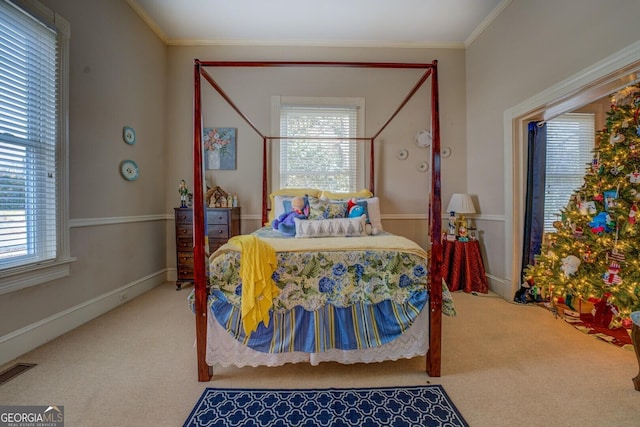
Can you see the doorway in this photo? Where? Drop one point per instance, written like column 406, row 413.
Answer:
column 598, row 81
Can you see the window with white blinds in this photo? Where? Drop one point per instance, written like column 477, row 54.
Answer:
column 316, row 151
column 570, row 144
column 29, row 137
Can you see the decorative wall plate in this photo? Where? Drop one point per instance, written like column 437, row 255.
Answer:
column 129, row 135
column 402, row 154
column 446, row 152
column 423, row 138
column 129, row 170
column 422, row 166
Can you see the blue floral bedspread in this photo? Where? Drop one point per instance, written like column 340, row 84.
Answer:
column 358, row 298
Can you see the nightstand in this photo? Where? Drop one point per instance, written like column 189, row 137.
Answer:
column 222, row 224
column 462, row 267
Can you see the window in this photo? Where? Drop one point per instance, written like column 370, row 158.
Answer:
column 311, row 154
column 570, row 144
column 33, row 233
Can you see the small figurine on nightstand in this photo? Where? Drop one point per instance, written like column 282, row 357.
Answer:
column 184, row 193
column 462, row 233
column 451, row 233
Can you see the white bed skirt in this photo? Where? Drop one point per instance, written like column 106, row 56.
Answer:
column 225, row 351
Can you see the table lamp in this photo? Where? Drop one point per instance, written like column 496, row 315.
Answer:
column 461, row 204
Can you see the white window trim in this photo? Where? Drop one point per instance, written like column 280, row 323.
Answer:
column 274, row 146
column 13, row 279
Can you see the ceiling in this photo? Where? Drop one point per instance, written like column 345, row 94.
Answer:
column 401, row 23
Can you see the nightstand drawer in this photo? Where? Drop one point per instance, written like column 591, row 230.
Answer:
column 184, row 216
column 218, row 217
column 184, row 244
column 218, row 231
column 185, row 259
column 184, row 231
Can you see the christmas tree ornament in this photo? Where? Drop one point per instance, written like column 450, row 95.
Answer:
column 615, row 170
column 633, row 212
column 616, row 138
column 634, row 177
column 612, row 276
column 570, row 265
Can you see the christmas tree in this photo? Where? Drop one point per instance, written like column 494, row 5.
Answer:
column 594, row 255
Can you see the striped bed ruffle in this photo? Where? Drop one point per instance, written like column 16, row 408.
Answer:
column 359, row 326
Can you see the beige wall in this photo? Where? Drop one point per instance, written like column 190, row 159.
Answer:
column 118, row 230
column 530, row 47
column 402, row 189
column 122, row 74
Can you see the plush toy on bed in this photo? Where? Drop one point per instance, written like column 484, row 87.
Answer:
column 285, row 223
column 356, row 209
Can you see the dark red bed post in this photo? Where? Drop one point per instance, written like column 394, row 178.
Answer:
column 264, row 181
column 199, row 275
column 435, row 292
column 371, row 168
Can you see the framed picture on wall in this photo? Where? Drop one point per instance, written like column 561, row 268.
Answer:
column 219, row 148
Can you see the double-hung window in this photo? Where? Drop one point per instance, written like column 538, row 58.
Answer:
column 570, row 144
column 317, row 146
column 33, row 213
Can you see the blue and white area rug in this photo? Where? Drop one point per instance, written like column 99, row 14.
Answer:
column 389, row 406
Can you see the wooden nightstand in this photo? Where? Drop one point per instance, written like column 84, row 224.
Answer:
column 222, row 224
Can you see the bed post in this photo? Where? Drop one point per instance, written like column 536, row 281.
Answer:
column 199, row 276
column 435, row 291
column 371, row 168
column 264, row 181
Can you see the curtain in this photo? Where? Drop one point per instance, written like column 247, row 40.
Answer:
column 534, row 207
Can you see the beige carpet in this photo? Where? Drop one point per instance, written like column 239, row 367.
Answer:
column 502, row 365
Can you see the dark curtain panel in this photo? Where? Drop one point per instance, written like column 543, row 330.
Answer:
column 534, row 207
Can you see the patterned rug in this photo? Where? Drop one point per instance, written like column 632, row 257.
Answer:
column 389, row 406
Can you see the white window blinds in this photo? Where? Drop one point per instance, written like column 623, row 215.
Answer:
column 570, row 144
column 312, row 155
column 28, row 138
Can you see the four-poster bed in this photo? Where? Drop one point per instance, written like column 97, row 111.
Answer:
column 403, row 289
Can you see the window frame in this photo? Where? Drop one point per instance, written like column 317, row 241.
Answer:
column 32, row 274
column 277, row 101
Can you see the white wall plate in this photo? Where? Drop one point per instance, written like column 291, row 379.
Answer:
column 402, row 154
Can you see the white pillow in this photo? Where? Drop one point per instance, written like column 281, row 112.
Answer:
column 336, row 227
column 373, row 208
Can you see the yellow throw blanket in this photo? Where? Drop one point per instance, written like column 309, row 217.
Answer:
column 257, row 264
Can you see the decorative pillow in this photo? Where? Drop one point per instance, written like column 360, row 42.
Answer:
column 278, row 197
column 337, row 227
column 323, row 208
column 362, row 194
column 373, row 211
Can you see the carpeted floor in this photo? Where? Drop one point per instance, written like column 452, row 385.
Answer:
column 503, row 364
column 372, row 407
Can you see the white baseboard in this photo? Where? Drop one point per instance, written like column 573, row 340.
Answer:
column 502, row 287
column 23, row 340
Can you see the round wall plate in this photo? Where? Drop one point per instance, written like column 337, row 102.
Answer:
column 422, row 166
column 402, row 154
column 129, row 170
column 129, row 135
column 446, row 152
column 423, row 138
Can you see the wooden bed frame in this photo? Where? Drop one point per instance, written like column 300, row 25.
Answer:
column 433, row 357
